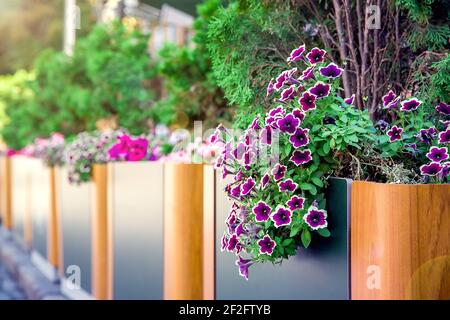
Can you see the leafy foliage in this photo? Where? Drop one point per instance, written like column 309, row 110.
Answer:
column 192, row 92
column 109, row 76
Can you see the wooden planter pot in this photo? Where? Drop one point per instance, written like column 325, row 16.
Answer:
column 183, row 231
column 319, row 272
column 75, row 265
column 135, row 221
column 400, row 241
column 5, row 192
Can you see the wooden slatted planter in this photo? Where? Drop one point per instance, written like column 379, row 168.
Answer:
column 400, row 241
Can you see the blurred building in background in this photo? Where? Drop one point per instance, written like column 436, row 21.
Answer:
column 166, row 24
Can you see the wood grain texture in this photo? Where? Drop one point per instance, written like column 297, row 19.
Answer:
column 400, row 241
column 53, row 222
column 209, row 232
column 5, row 191
column 183, row 231
column 100, row 240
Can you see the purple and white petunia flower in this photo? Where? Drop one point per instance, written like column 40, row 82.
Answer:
column 426, row 135
column 232, row 243
column 224, row 242
column 307, row 74
column 247, row 186
column 287, row 186
column 240, row 229
column 296, row 54
column 278, row 172
column 437, row 154
column 269, row 89
column 284, row 78
column 239, row 151
column 445, row 169
column 320, row 90
column 265, row 181
column 390, row 100
column 446, row 123
column 261, row 211
column 244, row 265
column 288, row 124
column 350, row 100
column 255, row 124
column 277, row 111
column 331, row 71
column 288, row 93
column 444, row 136
column 307, row 101
column 395, row 133
column 232, row 223
column 316, row 218
column 299, row 114
column 443, row 108
column 299, row 138
column 235, row 192
column 410, row 105
column 266, row 245
column 281, row 217
column 382, row 125
column 301, row 157
column 249, row 158
column 296, row 203
column 316, row 55
column 431, row 169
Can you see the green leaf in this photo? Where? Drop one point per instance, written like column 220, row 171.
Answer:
column 294, row 231
column 326, row 147
column 324, row 232
column 287, row 242
column 306, row 238
column 317, row 181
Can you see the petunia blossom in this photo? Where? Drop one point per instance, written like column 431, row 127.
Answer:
column 244, row 265
column 281, row 217
column 288, row 124
column 316, row 218
column 266, row 245
column 296, row 54
column 390, row 100
column 295, row 203
column 437, row 154
column 350, row 100
column 316, row 55
column 299, row 114
column 331, row 71
column 307, row 74
column 299, row 138
column 287, row 186
column 443, row 108
column 248, row 186
column 265, row 181
column 395, row 133
column 278, row 172
column 444, row 136
column 410, row 105
column 265, row 135
column 320, row 90
column 301, row 157
column 288, row 93
column 307, row 101
column 261, row 211
column 431, row 169
column 224, row 242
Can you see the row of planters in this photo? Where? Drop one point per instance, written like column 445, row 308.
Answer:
column 153, row 230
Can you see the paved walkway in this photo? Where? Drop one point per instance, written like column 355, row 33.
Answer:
column 9, row 288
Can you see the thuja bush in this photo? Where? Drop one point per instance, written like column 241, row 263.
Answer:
column 280, row 164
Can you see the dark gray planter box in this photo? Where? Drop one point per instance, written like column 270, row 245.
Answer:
column 135, row 204
column 75, row 214
column 319, row 272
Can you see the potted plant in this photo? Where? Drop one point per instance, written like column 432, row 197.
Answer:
column 280, row 168
column 410, row 203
